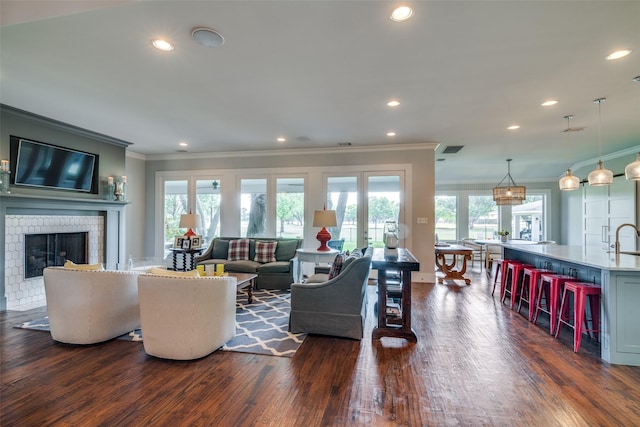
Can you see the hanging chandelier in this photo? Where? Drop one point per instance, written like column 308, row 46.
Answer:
column 509, row 193
column 632, row 171
column 569, row 182
column 600, row 176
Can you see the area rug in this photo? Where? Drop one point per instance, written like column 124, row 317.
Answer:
column 261, row 327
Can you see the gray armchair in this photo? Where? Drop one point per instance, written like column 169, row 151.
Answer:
column 336, row 307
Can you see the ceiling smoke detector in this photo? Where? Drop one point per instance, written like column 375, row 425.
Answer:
column 344, row 144
column 207, row 37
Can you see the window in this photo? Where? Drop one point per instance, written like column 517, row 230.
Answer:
column 290, row 207
column 483, row 217
column 527, row 219
column 208, row 208
column 175, row 204
column 446, row 218
column 253, row 207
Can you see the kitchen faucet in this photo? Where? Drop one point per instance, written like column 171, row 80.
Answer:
column 617, row 245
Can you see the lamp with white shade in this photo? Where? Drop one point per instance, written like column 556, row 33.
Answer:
column 189, row 221
column 324, row 218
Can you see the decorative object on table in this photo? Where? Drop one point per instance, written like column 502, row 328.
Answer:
column 196, row 242
column 219, row 270
column 632, row 171
column 390, row 237
column 4, row 178
column 509, row 193
column 503, row 235
column 324, row 218
column 569, row 182
column 177, row 242
column 189, row 221
column 215, row 184
column 600, row 176
column 186, row 243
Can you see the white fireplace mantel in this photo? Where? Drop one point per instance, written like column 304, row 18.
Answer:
column 23, row 204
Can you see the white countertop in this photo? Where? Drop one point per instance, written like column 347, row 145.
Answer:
column 592, row 257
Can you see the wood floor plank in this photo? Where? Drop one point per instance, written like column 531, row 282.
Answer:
column 476, row 363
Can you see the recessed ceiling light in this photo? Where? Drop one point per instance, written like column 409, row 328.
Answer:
column 549, row 103
column 619, row 54
column 162, row 45
column 514, row 127
column 281, row 139
column 183, row 144
column 393, row 103
column 207, row 37
column 401, row 13
column 391, row 134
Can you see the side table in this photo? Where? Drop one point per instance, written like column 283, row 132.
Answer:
column 315, row 256
column 188, row 258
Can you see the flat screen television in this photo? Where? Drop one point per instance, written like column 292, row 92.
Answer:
column 38, row 164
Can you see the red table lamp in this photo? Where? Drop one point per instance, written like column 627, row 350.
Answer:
column 324, row 218
column 189, row 221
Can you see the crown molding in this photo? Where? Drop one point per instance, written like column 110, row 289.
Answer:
column 293, row 152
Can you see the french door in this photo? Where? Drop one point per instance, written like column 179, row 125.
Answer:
column 364, row 202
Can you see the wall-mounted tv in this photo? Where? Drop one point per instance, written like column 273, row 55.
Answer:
column 38, row 164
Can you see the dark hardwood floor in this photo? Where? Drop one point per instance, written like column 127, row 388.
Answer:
column 476, row 363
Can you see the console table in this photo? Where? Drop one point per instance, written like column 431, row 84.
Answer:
column 188, row 255
column 389, row 262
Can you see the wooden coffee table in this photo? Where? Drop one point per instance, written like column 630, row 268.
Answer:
column 245, row 280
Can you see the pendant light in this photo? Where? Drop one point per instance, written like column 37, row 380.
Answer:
column 569, row 181
column 600, row 176
column 509, row 193
column 632, row 171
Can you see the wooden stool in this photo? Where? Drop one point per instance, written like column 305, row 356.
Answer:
column 581, row 291
column 530, row 280
column 550, row 286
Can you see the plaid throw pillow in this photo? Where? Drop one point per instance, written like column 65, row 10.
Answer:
column 238, row 250
column 265, row 252
column 336, row 266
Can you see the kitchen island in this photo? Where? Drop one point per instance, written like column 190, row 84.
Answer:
column 619, row 276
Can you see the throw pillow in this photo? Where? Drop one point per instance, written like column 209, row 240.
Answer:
column 171, row 273
column 265, row 252
column 74, row 266
column 220, row 249
column 238, row 250
column 336, row 266
column 286, row 249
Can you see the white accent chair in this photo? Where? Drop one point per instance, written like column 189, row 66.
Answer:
column 89, row 306
column 185, row 318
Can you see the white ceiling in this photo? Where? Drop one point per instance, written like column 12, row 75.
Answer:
column 462, row 70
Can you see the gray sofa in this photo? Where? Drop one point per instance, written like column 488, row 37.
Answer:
column 335, row 307
column 271, row 275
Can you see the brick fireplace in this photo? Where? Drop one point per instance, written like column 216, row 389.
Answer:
column 103, row 221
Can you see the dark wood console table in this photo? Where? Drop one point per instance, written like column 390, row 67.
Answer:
column 398, row 262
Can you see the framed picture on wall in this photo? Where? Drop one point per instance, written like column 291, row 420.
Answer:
column 196, row 242
column 177, row 242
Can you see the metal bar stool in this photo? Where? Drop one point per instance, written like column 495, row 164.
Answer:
column 499, row 269
column 512, row 277
column 550, row 288
column 581, row 291
column 530, row 280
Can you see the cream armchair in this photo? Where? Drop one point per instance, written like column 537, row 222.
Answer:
column 186, row 318
column 88, row 307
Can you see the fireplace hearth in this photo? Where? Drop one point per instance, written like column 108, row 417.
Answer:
column 53, row 249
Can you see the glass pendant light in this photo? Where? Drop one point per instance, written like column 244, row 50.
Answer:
column 569, row 181
column 600, row 176
column 632, row 171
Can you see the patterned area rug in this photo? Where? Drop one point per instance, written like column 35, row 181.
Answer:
column 261, row 327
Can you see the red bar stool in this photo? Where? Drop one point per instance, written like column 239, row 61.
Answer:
column 499, row 269
column 581, row 291
column 550, row 286
column 512, row 276
column 530, row 280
